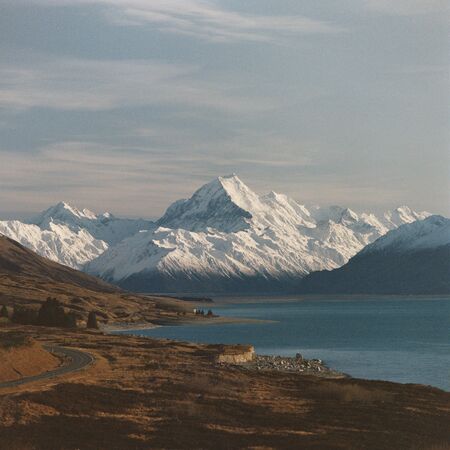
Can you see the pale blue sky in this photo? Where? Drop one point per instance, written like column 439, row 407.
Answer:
column 128, row 105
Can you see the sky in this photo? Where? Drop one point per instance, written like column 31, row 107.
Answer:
column 128, row 105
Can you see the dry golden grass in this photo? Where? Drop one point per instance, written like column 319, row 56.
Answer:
column 21, row 356
column 350, row 393
column 145, row 393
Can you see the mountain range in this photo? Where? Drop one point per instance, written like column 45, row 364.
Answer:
column 225, row 238
column 71, row 236
column 412, row 259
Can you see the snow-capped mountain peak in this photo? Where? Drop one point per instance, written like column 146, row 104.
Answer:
column 70, row 235
column 104, row 227
column 402, row 215
column 65, row 213
column 240, row 193
column 229, row 205
column 334, row 213
column 57, row 241
column 225, row 204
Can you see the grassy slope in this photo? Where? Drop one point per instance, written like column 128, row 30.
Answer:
column 21, row 356
column 144, row 393
column 28, row 279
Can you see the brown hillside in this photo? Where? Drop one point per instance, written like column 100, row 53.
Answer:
column 21, row 356
column 145, row 394
column 27, row 279
column 16, row 260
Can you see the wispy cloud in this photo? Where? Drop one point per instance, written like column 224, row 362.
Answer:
column 99, row 176
column 203, row 19
column 95, row 85
column 104, row 175
column 407, row 7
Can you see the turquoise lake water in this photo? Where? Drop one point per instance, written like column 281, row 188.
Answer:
column 396, row 339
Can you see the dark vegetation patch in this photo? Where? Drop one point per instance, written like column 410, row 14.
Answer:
column 12, row 339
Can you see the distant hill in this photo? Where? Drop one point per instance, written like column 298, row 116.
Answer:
column 16, row 261
column 412, row 259
column 27, row 279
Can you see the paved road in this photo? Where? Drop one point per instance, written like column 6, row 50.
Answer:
column 77, row 360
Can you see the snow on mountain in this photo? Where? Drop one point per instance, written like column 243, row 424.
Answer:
column 430, row 233
column 71, row 236
column 58, row 243
column 402, row 215
column 223, row 204
column 411, row 259
column 104, row 227
column 225, row 232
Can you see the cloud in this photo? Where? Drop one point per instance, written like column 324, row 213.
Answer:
column 88, row 174
column 129, row 180
column 203, row 19
column 95, row 85
column 406, row 7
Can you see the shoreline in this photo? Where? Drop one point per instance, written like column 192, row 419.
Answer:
column 231, row 298
column 267, row 363
column 351, row 370
column 293, row 364
column 280, row 298
column 219, row 320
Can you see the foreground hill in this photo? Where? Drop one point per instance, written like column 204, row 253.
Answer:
column 18, row 261
column 27, row 279
column 21, row 356
column 156, row 394
column 413, row 259
column 227, row 238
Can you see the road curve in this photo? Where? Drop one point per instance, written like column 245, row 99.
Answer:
column 78, row 361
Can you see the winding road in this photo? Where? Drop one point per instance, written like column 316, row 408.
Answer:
column 78, row 360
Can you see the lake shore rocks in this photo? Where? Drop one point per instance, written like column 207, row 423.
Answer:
column 292, row 364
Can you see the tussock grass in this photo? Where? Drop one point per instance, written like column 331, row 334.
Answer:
column 443, row 446
column 350, row 393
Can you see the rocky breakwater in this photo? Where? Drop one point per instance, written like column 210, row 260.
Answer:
column 288, row 364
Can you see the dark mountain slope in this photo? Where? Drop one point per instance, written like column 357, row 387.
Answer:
column 414, row 259
column 18, row 261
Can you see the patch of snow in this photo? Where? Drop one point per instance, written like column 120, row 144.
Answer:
column 429, row 233
column 58, row 243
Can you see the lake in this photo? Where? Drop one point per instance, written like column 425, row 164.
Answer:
column 406, row 340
